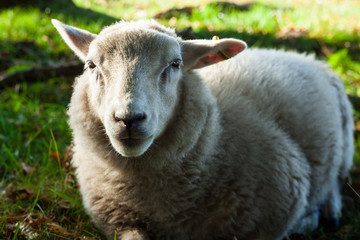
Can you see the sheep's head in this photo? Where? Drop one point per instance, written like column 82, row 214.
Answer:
column 134, row 69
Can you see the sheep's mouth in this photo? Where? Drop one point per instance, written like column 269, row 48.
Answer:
column 131, row 146
column 131, row 142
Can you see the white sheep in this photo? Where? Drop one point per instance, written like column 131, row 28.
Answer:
column 253, row 147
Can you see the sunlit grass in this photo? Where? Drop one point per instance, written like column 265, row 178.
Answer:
column 348, row 69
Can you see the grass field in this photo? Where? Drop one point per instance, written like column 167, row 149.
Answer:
column 39, row 196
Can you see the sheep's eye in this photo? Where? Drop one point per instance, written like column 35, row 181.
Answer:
column 176, row 63
column 91, row 65
column 173, row 65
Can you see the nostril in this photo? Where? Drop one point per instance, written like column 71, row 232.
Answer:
column 117, row 118
column 128, row 121
column 140, row 117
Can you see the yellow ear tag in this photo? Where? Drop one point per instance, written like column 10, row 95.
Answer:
column 221, row 53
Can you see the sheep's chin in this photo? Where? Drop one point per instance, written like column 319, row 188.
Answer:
column 131, row 151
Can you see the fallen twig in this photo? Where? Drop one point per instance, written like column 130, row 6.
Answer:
column 353, row 190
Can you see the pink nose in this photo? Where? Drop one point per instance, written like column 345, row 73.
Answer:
column 131, row 121
column 131, row 126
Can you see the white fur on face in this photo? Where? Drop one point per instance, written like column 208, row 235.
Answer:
column 135, row 76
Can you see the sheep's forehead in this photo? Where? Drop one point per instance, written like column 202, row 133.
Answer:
column 129, row 44
column 141, row 24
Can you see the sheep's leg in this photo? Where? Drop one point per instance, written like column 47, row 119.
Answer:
column 307, row 223
column 331, row 209
column 133, row 234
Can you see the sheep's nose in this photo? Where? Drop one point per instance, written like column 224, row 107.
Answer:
column 131, row 121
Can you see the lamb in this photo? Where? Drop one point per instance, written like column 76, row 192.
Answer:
column 173, row 142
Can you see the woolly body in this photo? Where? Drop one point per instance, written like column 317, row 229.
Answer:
column 251, row 147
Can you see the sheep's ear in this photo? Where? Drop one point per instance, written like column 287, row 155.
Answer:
column 202, row 53
column 77, row 39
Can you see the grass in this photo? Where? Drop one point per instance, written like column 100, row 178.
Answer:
column 39, row 195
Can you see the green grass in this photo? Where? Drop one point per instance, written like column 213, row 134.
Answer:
column 38, row 192
column 33, row 127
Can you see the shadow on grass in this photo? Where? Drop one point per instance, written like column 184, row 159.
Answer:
column 27, row 52
column 66, row 8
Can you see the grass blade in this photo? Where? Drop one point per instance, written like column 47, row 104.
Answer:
column 56, row 148
column 36, row 199
column 16, row 231
column 67, row 198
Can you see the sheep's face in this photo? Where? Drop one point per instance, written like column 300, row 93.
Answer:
column 133, row 69
column 134, row 77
